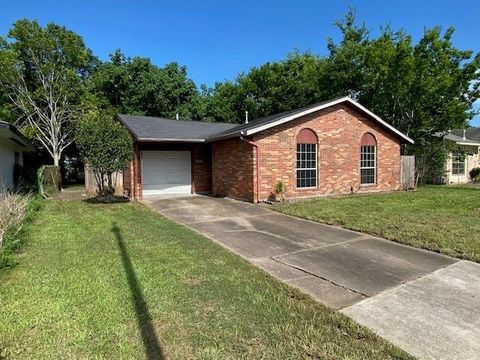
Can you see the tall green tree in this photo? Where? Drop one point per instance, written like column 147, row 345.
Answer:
column 422, row 88
column 44, row 69
column 270, row 88
column 136, row 86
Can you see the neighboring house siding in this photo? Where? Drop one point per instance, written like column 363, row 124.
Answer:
column 471, row 161
column 339, row 130
column 7, row 162
column 233, row 169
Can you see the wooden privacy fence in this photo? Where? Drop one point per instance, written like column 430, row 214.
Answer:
column 91, row 186
column 408, row 172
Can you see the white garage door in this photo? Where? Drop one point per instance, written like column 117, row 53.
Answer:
column 166, row 172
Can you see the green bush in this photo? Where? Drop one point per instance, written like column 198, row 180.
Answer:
column 25, row 178
column 106, row 146
column 475, row 174
column 280, row 189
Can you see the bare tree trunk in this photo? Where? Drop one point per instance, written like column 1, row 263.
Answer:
column 56, row 159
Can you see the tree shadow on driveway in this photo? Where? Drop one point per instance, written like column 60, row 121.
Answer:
column 150, row 341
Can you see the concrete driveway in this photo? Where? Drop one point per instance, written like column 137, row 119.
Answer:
column 409, row 296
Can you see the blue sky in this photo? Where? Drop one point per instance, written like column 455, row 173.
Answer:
column 218, row 39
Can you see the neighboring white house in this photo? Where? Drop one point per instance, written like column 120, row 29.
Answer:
column 12, row 147
column 464, row 157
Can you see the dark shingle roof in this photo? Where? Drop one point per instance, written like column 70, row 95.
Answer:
column 472, row 134
column 267, row 120
column 147, row 128
column 458, row 139
column 9, row 131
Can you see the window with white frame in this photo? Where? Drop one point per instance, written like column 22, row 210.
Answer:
column 458, row 164
column 306, row 165
column 368, row 160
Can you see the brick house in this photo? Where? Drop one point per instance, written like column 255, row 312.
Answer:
column 333, row 147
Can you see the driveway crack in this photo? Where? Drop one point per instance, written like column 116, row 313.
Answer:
column 320, row 277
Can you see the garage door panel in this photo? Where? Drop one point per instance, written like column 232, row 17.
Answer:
column 166, row 172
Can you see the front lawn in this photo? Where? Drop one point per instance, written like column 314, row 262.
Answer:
column 438, row 218
column 121, row 282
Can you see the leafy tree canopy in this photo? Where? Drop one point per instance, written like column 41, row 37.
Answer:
column 136, row 86
column 43, row 75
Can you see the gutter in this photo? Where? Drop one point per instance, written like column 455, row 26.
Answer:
column 257, row 162
column 224, row 136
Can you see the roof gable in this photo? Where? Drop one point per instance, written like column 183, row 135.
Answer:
column 271, row 121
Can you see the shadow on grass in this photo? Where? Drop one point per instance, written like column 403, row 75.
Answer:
column 110, row 200
column 150, row 341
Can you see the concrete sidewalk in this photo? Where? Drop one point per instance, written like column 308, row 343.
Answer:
column 346, row 269
column 434, row 317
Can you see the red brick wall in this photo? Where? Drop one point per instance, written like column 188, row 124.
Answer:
column 127, row 176
column 136, row 175
column 201, row 169
column 233, row 169
column 339, row 130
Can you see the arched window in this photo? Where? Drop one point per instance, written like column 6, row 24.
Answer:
column 306, row 159
column 368, row 160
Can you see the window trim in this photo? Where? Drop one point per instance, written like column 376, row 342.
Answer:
column 374, row 183
column 464, row 163
column 300, row 188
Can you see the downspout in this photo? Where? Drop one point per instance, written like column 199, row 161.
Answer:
column 257, row 162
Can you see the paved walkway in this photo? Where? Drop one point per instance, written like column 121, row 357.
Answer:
column 424, row 302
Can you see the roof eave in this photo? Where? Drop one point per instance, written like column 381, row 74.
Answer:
column 17, row 137
column 225, row 136
column 467, row 143
column 173, row 140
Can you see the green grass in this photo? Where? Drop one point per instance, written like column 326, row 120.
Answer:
column 439, row 218
column 121, row 282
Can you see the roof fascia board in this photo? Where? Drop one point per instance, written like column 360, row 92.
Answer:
column 387, row 125
column 467, row 143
